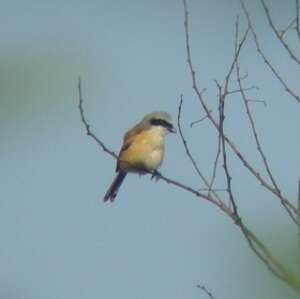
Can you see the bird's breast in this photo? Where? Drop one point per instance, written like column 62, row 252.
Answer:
column 145, row 152
column 154, row 160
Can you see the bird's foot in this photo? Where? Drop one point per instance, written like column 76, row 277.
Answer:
column 155, row 175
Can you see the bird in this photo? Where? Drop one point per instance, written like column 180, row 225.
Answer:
column 143, row 149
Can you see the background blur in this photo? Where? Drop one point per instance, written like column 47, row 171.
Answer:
column 58, row 239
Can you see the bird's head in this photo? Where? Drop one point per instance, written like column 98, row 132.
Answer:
column 160, row 119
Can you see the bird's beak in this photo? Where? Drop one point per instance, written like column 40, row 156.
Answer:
column 172, row 130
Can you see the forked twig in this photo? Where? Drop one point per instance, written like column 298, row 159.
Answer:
column 257, row 246
column 240, row 156
column 280, row 38
column 264, row 57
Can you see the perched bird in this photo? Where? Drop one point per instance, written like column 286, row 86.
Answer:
column 142, row 150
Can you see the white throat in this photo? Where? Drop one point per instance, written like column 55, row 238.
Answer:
column 159, row 131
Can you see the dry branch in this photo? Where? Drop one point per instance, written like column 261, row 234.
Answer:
column 264, row 57
column 292, row 210
column 277, row 33
column 255, row 244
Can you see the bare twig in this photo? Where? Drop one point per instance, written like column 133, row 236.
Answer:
column 206, row 291
column 234, row 148
column 236, row 55
column 193, row 191
column 198, row 121
column 264, row 57
column 245, row 89
column 223, row 146
column 187, row 150
column 290, row 26
column 257, row 101
column 258, row 248
column 251, row 120
column 88, row 127
column 222, row 97
column 281, row 40
column 297, row 19
column 189, row 61
column 214, row 172
column 255, row 135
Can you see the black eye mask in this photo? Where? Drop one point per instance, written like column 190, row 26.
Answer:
column 161, row 122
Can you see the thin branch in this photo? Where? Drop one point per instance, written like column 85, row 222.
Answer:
column 236, row 55
column 265, row 59
column 88, row 127
column 214, row 172
column 234, row 148
column 281, row 40
column 282, row 32
column 252, row 123
column 219, row 203
column 189, row 61
column 297, row 19
column 187, row 150
column 192, row 190
column 258, row 248
column 206, row 291
column 222, row 97
column 198, row 121
column 245, row 89
column 223, row 146
column 257, row 141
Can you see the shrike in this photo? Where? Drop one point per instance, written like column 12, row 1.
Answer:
column 142, row 150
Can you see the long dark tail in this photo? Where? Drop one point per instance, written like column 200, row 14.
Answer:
column 114, row 187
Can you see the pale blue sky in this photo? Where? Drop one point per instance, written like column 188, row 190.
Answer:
column 58, row 240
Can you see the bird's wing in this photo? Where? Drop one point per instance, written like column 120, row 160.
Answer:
column 129, row 139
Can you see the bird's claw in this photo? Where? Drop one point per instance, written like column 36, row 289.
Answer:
column 155, row 175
